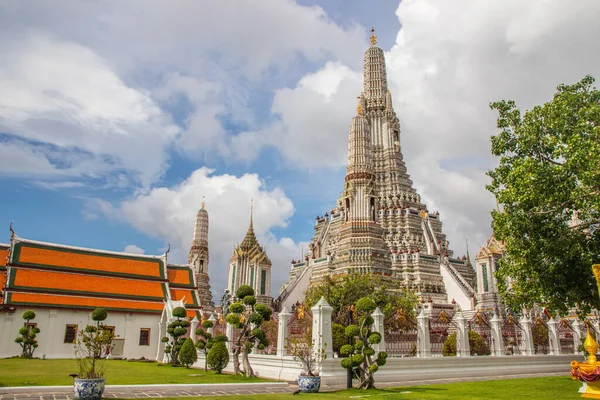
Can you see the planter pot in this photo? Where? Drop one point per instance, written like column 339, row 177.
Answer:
column 309, row 384
column 89, row 389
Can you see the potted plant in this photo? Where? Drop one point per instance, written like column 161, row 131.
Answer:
column 93, row 343
column 303, row 351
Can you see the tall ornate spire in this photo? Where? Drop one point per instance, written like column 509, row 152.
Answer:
column 374, row 74
column 359, row 146
column 250, row 238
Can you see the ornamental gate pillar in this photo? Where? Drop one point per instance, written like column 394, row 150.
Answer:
column 193, row 326
column 463, row 349
column 423, row 346
column 378, row 319
column 498, row 341
column 321, row 334
column 282, row 331
column 576, row 336
column 553, row 336
column 229, row 334
column 527, row 338
column 211, row 330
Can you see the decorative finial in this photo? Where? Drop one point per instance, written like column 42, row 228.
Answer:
column 251, row 210
column 203, row 202
column 359, row 109
column 168, row 249
column 373, row 37
column 12, row 232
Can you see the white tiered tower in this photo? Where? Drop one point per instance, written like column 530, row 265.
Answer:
column 198, row 258
column 380, row 226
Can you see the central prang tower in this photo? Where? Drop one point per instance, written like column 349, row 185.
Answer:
column 379, row 225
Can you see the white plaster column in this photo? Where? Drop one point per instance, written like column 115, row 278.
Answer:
column 576, row 325
column 378, row 318
column 229, row 334
column 423, row 347
column 211, row 330
column 553, row 336
column 321, row 333
column 526, row 324
column 193, row 325
column 496, row 323
column 52, row 314
column 462, row 336
column 282, row 331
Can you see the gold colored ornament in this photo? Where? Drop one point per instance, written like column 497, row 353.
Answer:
column 373, row 37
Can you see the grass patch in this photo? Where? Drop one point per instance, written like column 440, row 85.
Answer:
column 36, row 372
column 546, row 388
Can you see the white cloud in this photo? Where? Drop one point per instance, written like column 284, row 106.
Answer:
column 62, row 94
column 168, row 213
column 133, row 249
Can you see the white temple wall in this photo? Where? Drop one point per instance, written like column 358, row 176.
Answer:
column 53, row 326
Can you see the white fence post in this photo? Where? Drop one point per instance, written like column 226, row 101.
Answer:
column 498, row 342
column 378, row 318
column 462, row 336
column 282, row 331
column 229, row 334
column 214, row 322
column 321, row 333
column 526, row 324
column 576, row 336
column 424, row 348
column 553, row 336
column 193, row 326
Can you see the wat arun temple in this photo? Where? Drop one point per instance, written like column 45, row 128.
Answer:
column 379, row 224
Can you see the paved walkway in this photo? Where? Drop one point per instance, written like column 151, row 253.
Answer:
column 148, row 391
column 217, row 389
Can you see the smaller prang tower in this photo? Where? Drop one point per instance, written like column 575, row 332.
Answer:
column 250, row 265
column 198, row 258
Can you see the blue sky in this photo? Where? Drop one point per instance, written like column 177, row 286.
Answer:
column 116, row 118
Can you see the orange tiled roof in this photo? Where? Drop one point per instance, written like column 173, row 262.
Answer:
column 73, row 259
column 180, row 276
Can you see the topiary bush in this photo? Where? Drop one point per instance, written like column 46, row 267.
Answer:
column 359, row 355
column 93, row 343
column 188, row 355
column 477, row 345
column 204, row 340
column 245, row 314
column 27, row 338
column 218, row 355
column 176, row 329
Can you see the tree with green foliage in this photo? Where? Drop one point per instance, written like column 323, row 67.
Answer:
column 359, row 355
column 247, row 317
column 188, row 353
column 547, row 186
column 218, row 355
column 92, row 345
column 338, row 337
column 477, row 345
column 342, row 292
column 204, row 340
column 176, row 329
column 27, row 338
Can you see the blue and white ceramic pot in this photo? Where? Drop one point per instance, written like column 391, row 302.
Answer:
column 309, row 384
column 89, row 389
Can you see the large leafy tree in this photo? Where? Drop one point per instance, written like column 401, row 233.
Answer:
column 343, row 292
column 547, row 186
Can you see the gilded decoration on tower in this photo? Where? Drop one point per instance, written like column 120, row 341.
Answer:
column 373, row 37
column 588, row 372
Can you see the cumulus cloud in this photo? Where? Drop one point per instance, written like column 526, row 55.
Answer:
column 63, row 95
column 133, row 249
column 168, row 213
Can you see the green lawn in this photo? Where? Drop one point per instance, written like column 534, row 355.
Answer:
column 36, row 372
column 550, row 388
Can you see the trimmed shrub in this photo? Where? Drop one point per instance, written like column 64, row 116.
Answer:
column 218, row 356
column 477, row 345
column 188, row 354
column 27, row 335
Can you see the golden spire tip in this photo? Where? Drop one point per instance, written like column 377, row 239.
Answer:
column 373, row 37
column 203, row 202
